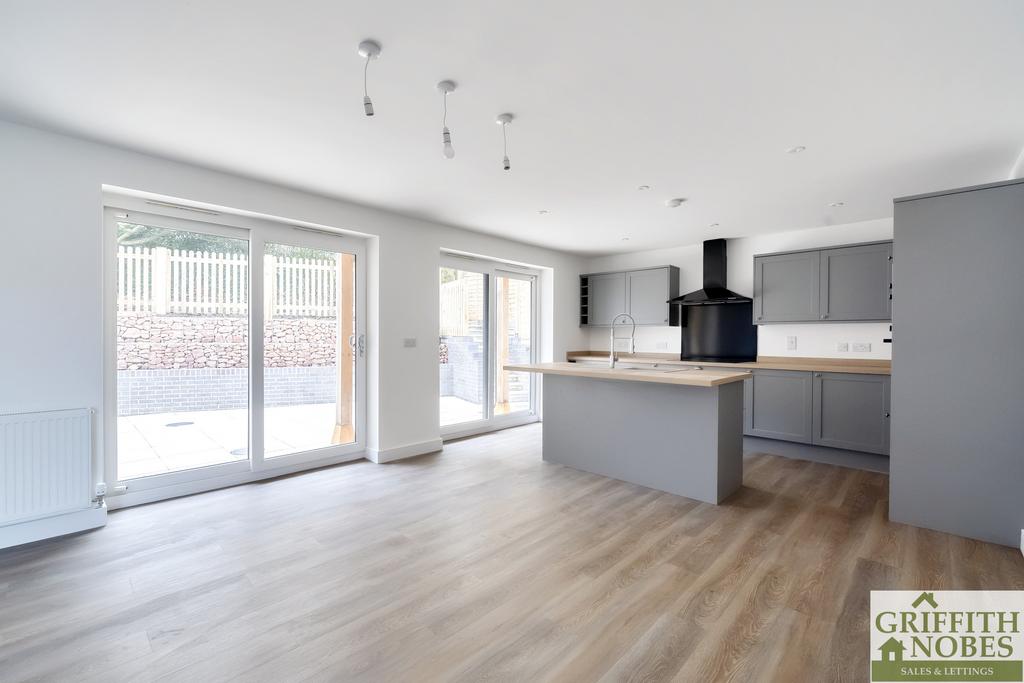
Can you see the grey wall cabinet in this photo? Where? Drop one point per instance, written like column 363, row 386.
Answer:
column 607, row 297
column 642, row 293
column 856, row 283
column 778, row 405
column 786, row 287
column 851, row 411
column 840, row 284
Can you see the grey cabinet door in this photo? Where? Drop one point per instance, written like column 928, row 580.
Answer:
column 607, row 297
column 648, row 292
column 851, row 411
column 855, row 283
column 778, row 405
column 786, row 287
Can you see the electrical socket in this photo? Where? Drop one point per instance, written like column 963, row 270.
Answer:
column 791, row 342
column 661, row 346
column 843, row 347
column 861, row 347
column 409, row 342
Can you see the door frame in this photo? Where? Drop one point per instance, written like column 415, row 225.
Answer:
column 491, row 269
column 256, row 232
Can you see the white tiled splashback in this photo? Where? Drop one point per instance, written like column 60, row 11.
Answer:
column 817, row 340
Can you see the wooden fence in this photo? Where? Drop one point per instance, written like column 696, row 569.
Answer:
column 171, row 281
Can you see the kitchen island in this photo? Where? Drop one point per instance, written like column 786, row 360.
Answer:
column 675, row 429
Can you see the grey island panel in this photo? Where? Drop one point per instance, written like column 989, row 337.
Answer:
column 680, row 439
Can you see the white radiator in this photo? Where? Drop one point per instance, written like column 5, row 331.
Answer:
column 45, row 472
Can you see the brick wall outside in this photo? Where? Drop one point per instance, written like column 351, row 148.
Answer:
column 462, row 363
column 140, row 392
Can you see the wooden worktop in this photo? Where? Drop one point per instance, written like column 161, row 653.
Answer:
column 853, row 365
column 683, row 376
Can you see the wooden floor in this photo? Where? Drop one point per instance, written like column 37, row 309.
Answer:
column 483, row 563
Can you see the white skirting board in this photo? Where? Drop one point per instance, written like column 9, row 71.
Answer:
column 49, row 527
column 407, row 451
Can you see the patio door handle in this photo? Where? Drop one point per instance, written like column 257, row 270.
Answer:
column 357, row 344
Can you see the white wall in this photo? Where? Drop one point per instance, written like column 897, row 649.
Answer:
column 51, row 346
column 818, row 340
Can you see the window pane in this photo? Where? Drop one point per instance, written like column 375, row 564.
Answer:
column 309, row 363
column 182, row 350
column 463, row 346
column 514, row 325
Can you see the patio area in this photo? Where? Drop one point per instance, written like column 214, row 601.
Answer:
column 170, row 442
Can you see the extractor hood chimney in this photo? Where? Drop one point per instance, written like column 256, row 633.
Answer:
column 714, row 290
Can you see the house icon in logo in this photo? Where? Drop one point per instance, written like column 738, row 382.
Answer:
column 892, row 650
column 925, row 597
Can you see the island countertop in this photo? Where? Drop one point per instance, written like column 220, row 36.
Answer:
column 686, row 376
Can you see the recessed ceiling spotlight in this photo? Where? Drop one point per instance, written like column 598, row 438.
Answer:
column 713, row 225
column 796, row 150
column 543, row 212
column 644, row 187
column 625, row 239
column 837, row 204
column 674, row 203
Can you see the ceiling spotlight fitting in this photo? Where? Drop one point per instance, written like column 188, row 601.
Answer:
column 796, row 150
column 643, row 187
column 446, row 87
column 543, row 212
column 837, row 204
column 503, row 120
column 713, row 225
column 625, row 239
column 674, row 203
column 368, row 49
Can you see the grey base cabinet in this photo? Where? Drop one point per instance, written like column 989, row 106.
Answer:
column 838, row 410
column 777, row 405
column 851, row 411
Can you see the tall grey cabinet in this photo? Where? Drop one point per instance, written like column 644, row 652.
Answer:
column 958, row 384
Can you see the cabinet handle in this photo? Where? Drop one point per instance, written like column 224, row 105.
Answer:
column 887, row 414
column 760, row 317
column 825, row 315
column 817, row 374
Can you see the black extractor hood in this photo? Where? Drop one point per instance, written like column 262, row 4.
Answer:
column 713, row 292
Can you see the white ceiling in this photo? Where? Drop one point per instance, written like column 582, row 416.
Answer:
column 695, row 99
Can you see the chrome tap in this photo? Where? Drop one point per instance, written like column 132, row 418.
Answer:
column 632, row 334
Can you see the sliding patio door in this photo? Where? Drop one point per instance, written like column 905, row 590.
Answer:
column 236, row 346
column 488, row 315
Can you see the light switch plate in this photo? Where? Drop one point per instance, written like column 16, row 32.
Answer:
column 409, row 342
column 862, row 347
column 843, row 347
column 791, row 342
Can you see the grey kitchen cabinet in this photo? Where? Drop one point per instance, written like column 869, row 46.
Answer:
column 642, row 293
column 648, row 292
column 786, row 287
column 856, row 283
column 607, row 297
column 778, row 405
column 839, row 284
column 851, row 411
